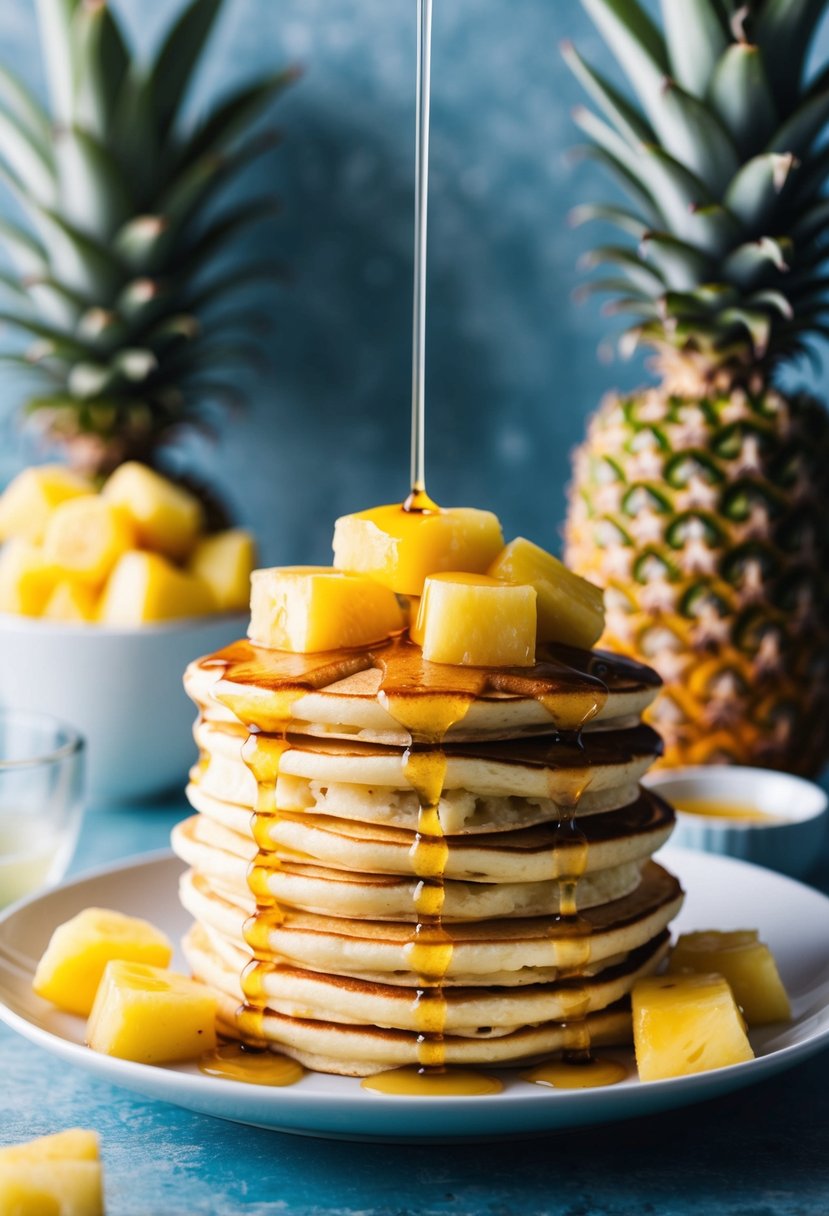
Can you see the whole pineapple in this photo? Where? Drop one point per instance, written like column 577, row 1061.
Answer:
column 126, row 271
column 702, row 505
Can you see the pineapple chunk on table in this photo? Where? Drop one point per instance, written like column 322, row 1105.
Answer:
column 685, row 1024
column 74, row 1144
column 151, row 1016
column 473, row 619
column 305, row 609
column 52, row 1188
column 745, row 962
column 570, row 609
column 225, row 563
column 27, row 580
column 400, row 548
column 71, row 602
column 29, row 499
column 70, row 970
column 57, row 1175
column 85, row 537
column 166, row 517
column 145, row 588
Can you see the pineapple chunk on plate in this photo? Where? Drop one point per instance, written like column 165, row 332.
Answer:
column 745, row 962
column 224, row 562
column 305, row 609
column 472, row 619
column 570, row 609
column 684, row 1024
column 399, row 548
column 85, row 537
column 71, row 967
column 151, row 1016
column 145, row 588
column 166, row 517
column 30, row 498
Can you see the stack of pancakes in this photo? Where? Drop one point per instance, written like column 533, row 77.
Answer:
column 401, row 863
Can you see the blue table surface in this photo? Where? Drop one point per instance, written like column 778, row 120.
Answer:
column 761, row 1152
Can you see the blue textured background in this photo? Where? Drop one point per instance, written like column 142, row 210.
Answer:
column 513, row 367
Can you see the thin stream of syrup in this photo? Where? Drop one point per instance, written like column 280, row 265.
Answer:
column 424, row 92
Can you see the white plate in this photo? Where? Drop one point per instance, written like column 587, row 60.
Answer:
column 722, row 893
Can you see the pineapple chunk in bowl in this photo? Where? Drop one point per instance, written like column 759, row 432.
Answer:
column 105, row 597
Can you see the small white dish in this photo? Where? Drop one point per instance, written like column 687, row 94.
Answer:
column 721, row 893
column 792, row 814
column 120, row 688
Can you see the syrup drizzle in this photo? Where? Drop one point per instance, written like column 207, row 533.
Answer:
column 418, row 500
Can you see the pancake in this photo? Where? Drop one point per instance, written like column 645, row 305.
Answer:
column 339, row 694
column 518, row 951
column 527, row 855
column 481, row 1012
column 599, row 773
column 359, row 1051
column 225, row 858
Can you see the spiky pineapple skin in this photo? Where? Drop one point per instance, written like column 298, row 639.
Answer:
column 706, row 519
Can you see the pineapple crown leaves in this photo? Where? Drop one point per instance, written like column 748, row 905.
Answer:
column 718, row 146
column 127, row 267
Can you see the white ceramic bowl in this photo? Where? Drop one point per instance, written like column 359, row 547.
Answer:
column 121, row 688
column 789, row 841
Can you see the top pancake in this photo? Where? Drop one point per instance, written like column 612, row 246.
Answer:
column 390, row 695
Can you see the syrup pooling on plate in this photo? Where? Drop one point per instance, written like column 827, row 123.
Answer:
column 590, row 1073
column 235, row 1062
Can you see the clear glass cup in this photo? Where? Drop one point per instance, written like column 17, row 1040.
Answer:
column 41, row 801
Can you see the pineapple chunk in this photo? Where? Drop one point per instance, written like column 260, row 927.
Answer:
column 26, row 578
column 570, row 609
column 28, row 500
column 473, row 619
column 400, row 548
column 70, row 970
column 745, row 962
column 151, row 1016
column 58, row 1175
column 685, row 1024
column 145, row 587
column 167, row 518
column 71, row 602
column 305, row 609
column 75, row 1144
column 85, row 538
column 225, row 563
column 52, row 1188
